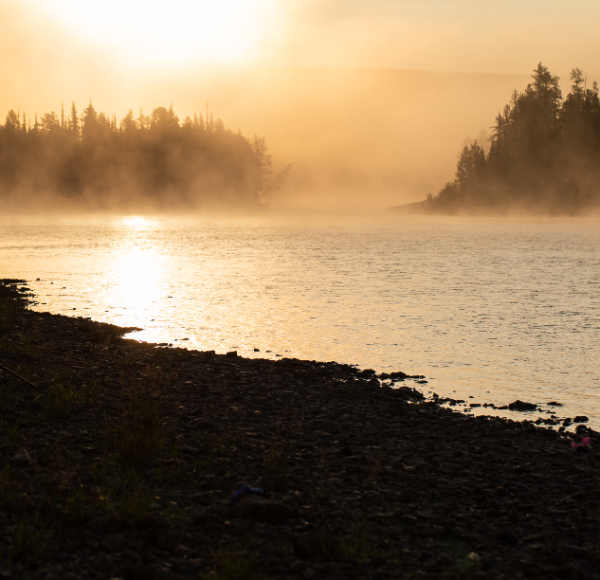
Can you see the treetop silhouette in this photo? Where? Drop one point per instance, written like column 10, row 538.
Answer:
column 157, row 158
column 544, row 154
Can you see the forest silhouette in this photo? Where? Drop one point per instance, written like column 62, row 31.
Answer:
column 94, row 161
column 544, row 156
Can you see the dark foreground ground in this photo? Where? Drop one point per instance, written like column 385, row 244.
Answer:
column 119, row 459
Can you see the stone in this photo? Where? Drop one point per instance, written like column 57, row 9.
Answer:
column 157, row 522
column 190, row 450
column 577, row 552
column 152, row 536
column 22, row 458
column 256, row 507
column 445, row 561
column 522, row 406
column 150, row 572
column 320, row 544
column 580, row 419
column 507, row 537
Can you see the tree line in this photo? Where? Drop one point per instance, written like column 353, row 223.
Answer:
column 544, row 154
column 94, row 158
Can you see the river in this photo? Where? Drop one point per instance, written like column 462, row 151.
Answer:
column 496, row 310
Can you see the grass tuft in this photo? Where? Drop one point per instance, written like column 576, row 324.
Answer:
column 355, row 549
column 231, row 565
column 140, row 436
column 9, row 486
column 30, row 540
column 275, row 468
column 60, row 398
column 133, row 508
column 78, row 506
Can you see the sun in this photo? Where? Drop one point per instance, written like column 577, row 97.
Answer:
column 167, row 33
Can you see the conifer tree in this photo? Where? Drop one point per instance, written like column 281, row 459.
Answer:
column 543, row 156
column 63, row 121
column 154, row 157
column 74, row 121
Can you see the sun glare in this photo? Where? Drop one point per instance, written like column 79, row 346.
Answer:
column 137, row 284
column 137, row 221
column 167, row 33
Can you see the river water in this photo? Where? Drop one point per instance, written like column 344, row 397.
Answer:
column 494, row 309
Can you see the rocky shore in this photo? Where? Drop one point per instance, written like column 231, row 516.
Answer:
column 119, row 459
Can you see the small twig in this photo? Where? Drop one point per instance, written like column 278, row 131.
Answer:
column 5, row 369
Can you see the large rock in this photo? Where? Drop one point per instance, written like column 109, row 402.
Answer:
column 522, row 406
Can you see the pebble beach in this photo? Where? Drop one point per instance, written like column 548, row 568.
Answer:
column 122, row 459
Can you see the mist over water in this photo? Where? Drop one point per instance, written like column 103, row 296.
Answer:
column 496, row 309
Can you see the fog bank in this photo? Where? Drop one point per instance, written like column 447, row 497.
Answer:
column 356, row 137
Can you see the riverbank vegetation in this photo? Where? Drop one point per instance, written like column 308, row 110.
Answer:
column 94, row 161
column 544, row 156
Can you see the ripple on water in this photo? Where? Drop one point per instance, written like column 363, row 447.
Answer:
column 497, row 310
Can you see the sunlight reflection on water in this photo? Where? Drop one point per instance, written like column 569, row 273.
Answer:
column 497, row 310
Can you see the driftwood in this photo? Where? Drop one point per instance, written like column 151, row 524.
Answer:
column 5, row 369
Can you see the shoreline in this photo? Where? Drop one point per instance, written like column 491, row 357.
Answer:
column 121, row 460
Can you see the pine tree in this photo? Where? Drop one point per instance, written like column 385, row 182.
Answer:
column 73, row 125
column 63, row 121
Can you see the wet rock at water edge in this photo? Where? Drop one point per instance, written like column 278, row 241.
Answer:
column 408, row 393
column 522, row 406
column 583, row 430
column 580, row 419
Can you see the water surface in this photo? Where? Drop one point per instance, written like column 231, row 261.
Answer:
column 497, row 310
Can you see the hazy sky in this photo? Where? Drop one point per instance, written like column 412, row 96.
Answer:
column 399, row 135
column 442, row 35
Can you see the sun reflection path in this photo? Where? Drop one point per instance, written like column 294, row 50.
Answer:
column 137, row 283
